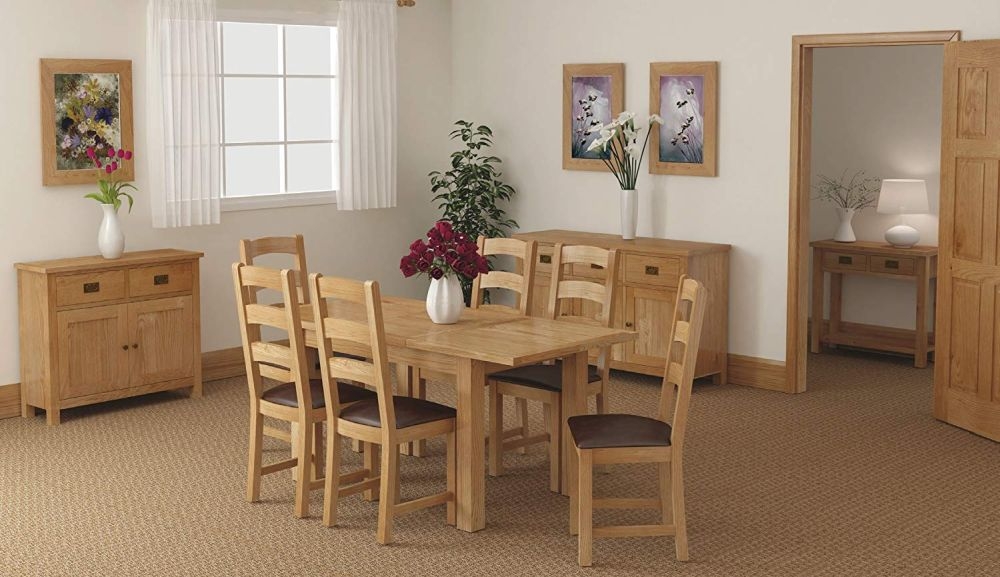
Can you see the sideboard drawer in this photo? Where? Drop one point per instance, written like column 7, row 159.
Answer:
column 159, row 279
column 652, row 270
column 844, row 261
column 892, row 265
column 91, row 287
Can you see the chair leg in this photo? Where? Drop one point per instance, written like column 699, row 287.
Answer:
column 522, row 417
column 602, row 400
column 585, row 506
column 452, row 467
column 371, row 459
column 553, row 412
column 419, row 448
column 331, row 489
column 304, row 454
column 680, row 519
column 255, row 457
column 496, row 431
column 388, row 483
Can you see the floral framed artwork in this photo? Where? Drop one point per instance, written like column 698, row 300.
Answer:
column 86, row 106
column 592, row 94
column 685, row 95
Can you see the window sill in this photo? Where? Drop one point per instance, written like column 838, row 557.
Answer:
column 286, row 200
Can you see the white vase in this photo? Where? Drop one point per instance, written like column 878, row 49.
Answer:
column 629, row 213
column 445, row 300
column 110, row 238
column 845, row 232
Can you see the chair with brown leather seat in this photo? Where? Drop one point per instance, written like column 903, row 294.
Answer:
column 297, row 399
column 614, row 439
column 384, row 422
column 543, row 382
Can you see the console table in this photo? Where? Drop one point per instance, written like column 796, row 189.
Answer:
column 918, row 263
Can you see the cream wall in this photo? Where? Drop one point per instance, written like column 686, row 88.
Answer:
column 877, row 109
column 507, row 73
column 39, row 223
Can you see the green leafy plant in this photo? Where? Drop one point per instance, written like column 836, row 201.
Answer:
column 112, row 189
column 471, row 192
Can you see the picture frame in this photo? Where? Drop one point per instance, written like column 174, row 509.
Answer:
column 591, row 93
column 685, row 95
column 84, row 104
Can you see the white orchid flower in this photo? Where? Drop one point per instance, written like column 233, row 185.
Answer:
column 597, row 144
column 625, row 117
column 655, row 118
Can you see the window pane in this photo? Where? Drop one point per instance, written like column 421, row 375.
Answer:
column 253, row 109
column 251, row 48
column 253, row 170
column 312, row 167
column 311, row 109
column 311, row 49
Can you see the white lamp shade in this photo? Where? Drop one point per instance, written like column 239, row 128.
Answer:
column 903, row 196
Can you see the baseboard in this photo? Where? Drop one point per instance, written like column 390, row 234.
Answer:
column 222, row 364
column 756, row 372
column 10, row 401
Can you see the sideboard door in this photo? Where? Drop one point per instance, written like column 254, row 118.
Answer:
column 161, row 332
column 93, row 353
column 648, row 312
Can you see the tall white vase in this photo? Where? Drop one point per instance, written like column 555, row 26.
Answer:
column 845, row 231
column 110, row 238
column 445, row 300
column 629, row 213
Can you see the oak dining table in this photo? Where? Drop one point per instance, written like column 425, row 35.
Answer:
column 483, row 341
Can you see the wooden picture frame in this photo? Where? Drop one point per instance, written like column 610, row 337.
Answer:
column 84, row 103
column 605, row 85
column 689, row 121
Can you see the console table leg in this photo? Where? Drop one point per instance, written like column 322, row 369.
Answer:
column 817, row 301
column 923, row 288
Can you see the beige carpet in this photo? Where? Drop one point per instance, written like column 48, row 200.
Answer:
column 853, row 478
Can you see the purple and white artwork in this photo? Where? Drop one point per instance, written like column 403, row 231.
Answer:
column 682, row 134
column 591, row 107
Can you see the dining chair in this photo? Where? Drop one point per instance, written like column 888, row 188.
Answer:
column 382, row 423
column 295, row 246
column 616, row 439
column 298, row 399
column 543, row 382
column 518, row 284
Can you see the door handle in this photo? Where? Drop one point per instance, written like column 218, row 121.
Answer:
column 124, row 347
column 161, row 279
column 628, row 325
column 91, row 287
column 653, row 270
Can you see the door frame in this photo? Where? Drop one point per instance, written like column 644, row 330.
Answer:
column 797, row 338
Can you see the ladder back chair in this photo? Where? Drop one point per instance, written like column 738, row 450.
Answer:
column 384, row 422
column 611, row 439
column 295, row 246
column 543, row 382
column 297, row 399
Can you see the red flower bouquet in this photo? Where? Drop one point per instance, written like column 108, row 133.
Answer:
column 445, row 252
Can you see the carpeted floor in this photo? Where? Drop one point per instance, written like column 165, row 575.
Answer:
column 853, row 478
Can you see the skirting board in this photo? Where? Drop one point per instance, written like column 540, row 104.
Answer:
column 758, row 373
column 10, row 401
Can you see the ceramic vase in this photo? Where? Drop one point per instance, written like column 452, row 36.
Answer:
column 845, row 231
column 629, row 213
column 445, row 300
column 110, row 238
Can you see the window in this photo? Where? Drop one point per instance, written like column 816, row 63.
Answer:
column 279, row 114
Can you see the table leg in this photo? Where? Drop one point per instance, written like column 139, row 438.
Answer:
column 817, row 301
column 470, row 445
column 836, row 301
column 923, row 288
column 404, row 387
column 574, row 402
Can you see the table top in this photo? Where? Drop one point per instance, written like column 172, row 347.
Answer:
column 610, row 241
column 86, row 263
column 872, row 247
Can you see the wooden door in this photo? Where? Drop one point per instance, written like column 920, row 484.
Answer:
column 93, row 351
column 161, row 340
column 967, row 367
column 648, row 312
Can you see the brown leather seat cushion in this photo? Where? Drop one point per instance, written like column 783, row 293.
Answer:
column 609, row 431
column 285, row 394
column 547, row 377
column 409, row 412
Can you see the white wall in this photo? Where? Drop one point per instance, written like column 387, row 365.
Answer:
column 39, row 223
column 507, row 73
column 877, row 109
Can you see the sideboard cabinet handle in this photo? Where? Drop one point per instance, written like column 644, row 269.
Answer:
column 845, row 260
column 91, row 287
column 653, row 270
column 161, row 279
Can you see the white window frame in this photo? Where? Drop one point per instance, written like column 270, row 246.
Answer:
column 285, row 199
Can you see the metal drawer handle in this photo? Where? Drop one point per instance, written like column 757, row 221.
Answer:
column 545, row 259
column 653, row 270
column 628, row 325
column 597, row 266
column 91, row 287
column 845, row 260
column 161, row 279
column 892, row 264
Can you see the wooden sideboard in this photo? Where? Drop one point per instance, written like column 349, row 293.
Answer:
column 646, row 288
column 94, row 330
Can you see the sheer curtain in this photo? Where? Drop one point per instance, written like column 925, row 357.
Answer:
column 367, row 46
column 183, row 112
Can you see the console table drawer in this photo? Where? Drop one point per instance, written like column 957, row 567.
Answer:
column 652, row 270
column 91, row 287
column 159, row 279
column 892, row 265
column 844, row 261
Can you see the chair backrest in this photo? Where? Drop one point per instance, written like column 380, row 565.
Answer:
column 563, row 291
column 682, row 354
column 521, row 284
column 348, row 317
column 295, row 246
column 273, row 360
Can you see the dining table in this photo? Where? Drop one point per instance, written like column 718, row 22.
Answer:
column 483, row 341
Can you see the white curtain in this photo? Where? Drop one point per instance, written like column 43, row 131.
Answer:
column 367, row 46
column 183, row 112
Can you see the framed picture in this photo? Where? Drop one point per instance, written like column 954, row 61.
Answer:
column 592, row 94
column 685, row 95
column 85, row 104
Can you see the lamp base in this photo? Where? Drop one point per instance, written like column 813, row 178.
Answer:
column 902, row 236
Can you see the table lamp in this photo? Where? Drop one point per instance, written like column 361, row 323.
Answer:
column 903, row 196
